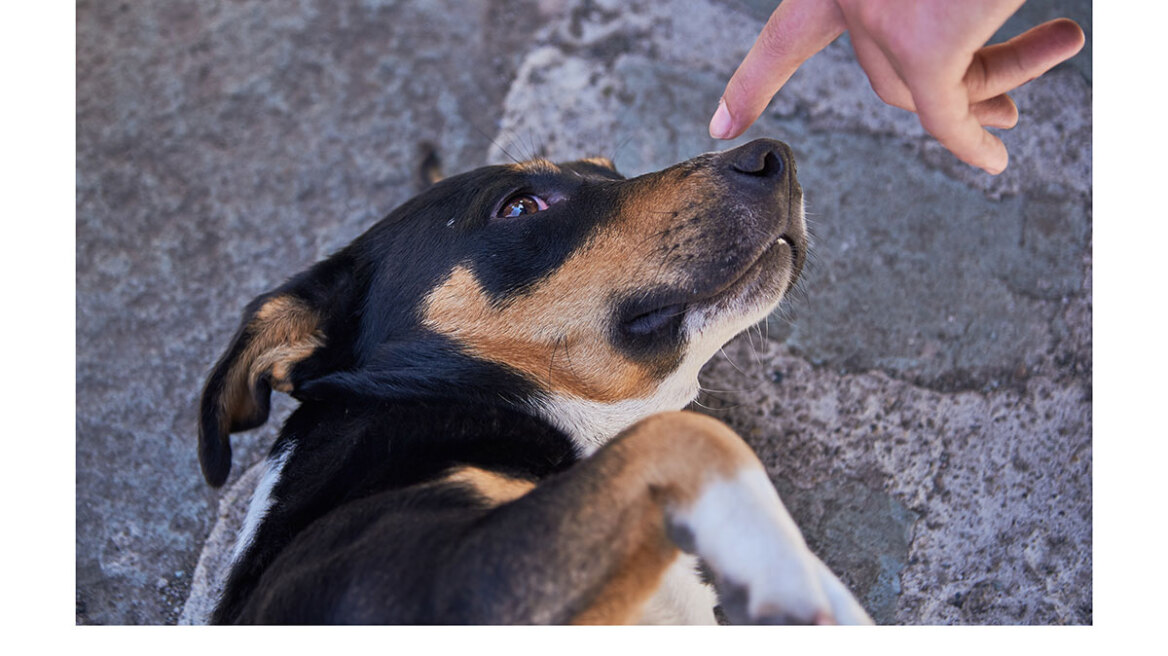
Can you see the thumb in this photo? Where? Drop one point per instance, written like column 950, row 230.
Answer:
column 794, row 32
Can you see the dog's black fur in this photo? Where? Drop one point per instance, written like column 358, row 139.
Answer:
column 360, row 462
column 362, row 526
column 369, row 292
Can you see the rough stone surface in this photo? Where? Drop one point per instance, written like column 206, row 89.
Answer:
column 210, row 573
column 921, row 498
column 222, row 147
column 923, row 403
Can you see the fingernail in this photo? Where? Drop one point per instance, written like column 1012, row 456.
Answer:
column 1000, row 165
column 721, row 123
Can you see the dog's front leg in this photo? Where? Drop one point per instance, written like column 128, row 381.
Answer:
column 591, row 545
column 763, row 569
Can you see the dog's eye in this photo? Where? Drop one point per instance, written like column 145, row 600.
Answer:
column 521, row 204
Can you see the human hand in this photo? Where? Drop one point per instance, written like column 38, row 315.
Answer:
column 926, row 56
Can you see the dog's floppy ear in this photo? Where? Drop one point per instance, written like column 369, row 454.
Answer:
column 283, row 333
column 429, row 166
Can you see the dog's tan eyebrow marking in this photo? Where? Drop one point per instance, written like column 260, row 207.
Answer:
column 538, row 165
column 495, row 487
column 602, row 162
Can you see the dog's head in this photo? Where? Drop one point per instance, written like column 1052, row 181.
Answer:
column 586, row 297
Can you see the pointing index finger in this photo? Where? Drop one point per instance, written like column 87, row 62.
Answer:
column 796, row 30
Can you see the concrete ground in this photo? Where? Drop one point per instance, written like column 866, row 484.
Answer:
column 923, row 404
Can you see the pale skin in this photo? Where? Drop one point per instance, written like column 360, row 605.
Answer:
column 925, row 56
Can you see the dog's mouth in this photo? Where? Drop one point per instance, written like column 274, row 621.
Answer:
column 663, row 312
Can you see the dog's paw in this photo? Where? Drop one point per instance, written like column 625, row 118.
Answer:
column 745, row 604
column 734, row 598
column 763, row 570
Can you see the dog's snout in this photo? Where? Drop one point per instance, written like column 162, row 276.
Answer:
column 762, row 159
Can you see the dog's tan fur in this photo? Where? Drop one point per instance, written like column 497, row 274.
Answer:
column 492, row 486
column 282, row 332
column 556, row 332
column 654, row 275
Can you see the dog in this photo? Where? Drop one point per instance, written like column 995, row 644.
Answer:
column 490, row 429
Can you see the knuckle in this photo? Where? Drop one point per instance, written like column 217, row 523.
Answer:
column 891, row 95
column 771, row 43
column 977, row 75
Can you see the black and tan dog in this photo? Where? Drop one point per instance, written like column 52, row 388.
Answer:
column 490, row 384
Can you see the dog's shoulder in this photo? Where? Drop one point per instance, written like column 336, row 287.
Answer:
column 379, row 468
column 395, row 444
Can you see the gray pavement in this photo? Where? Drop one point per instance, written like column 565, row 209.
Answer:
column 923, row 403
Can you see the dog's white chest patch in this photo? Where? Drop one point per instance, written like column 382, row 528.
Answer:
column 682, row 598
column 261, row 502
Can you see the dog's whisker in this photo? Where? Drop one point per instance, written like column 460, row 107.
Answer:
column 568, row 356
column 756, row 351
column 621, row 121
column 532, row 144
column 552, row 361
column 527, row 141
column 620, row 146
column 722, row 350
column 656, row 235
column 722, row 391
column 724, row 404
column 661, row 267
column 493, row 141
column 702, row 405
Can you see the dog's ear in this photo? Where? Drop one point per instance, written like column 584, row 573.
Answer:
column 283, row 335
column 429, row 167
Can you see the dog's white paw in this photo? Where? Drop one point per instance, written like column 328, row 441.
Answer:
column 763, row 570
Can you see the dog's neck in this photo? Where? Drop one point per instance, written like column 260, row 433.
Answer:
column 591, row 424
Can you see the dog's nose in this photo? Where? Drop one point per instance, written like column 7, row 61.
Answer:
column 760, row 160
